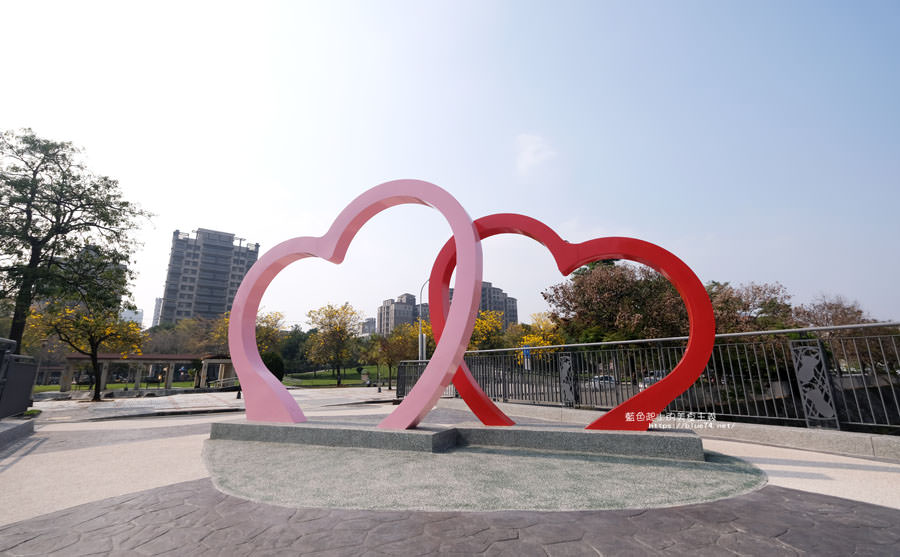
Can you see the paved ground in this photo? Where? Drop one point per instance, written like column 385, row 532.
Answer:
column 192, row 518
column 81, row 409
column 135, row 486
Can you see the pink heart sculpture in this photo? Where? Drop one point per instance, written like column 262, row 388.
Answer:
column 267, row 400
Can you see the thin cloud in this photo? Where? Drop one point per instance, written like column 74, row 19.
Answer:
column 532, row 151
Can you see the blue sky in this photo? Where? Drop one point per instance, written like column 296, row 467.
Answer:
column 758, row 141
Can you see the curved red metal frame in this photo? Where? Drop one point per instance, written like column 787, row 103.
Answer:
column 569, row 257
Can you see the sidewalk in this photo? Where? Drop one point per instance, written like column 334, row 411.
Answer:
column 137, row 486
column 195, row 403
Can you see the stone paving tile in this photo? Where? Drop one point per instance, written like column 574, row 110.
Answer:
column 192, row 518
column 515, row 549
column 458, row 526
column 46, row 544
column 412, row 547
column 478, row 543
column 570, row 549
column 752, row 544
column 547, row 534
column 391, row 532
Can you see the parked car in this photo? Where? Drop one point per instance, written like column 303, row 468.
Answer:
column 652, row 377
column 601, row 381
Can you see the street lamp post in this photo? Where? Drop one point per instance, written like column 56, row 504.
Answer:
column 421, row 336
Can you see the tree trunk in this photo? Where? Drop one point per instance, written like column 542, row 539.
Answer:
column 95, row 365
column 24, row 297
column 389, row 377
column 339, row 376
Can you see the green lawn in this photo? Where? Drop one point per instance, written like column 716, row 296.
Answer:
column 115, row 386
column 323, row 378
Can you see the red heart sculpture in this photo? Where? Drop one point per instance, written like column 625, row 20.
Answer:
column 569, row 257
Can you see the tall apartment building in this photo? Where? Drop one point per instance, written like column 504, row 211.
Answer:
column 204, row 274
column 495, row 299
column 511, row 315
column 394, row 312
column 367, row 327
column 422, row 311
column 136, row 316
column 157, row 312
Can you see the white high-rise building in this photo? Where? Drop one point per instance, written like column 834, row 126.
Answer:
column 204, row 274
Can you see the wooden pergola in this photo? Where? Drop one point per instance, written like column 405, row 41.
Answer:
column 141, row 366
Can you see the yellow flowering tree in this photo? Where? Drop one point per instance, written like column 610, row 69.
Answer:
column 429, row 337
column 88, row 331
column 488, row 331
column 217, row 338
column 333, row 341
column 269, row 333
column 83, row 306
column 541, row 332
column 401, row 344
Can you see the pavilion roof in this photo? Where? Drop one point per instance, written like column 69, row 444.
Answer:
column 139, row 357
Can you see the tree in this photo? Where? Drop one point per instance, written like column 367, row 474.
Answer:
column 616, row 302
column 830, row 311
column 488, row 331
column 623, row 301
column 6, row 311
column 541, row 332
column 210, row 336
column 274, row 363
column 215, row 339
column 401, row 344
column 336, row 330
column 188, row 336
column 429, row 337
column 89, row 331
column 52, row 208
column 196, row 336
column 293, row 348
column 513, row 334
column 750, row 307
column 370, row 352
column 83, row 311
column 269, row 331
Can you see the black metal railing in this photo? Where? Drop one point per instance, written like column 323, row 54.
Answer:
column 844, row 377
column 16, row 380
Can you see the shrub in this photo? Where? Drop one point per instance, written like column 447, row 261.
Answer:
column 275, row 364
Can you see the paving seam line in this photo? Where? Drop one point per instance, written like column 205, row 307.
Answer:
column 814, row 440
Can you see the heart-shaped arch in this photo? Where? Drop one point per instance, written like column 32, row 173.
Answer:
column 569, row 257
column 266, row 398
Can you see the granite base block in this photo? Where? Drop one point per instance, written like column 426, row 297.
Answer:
column 675, row 444
column 429, row 440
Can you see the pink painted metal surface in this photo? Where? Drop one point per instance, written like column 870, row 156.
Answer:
column 266, row 398
column 569, row 257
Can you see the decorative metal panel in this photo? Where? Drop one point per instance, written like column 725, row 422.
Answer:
column 566, row 380
column 815, row 384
